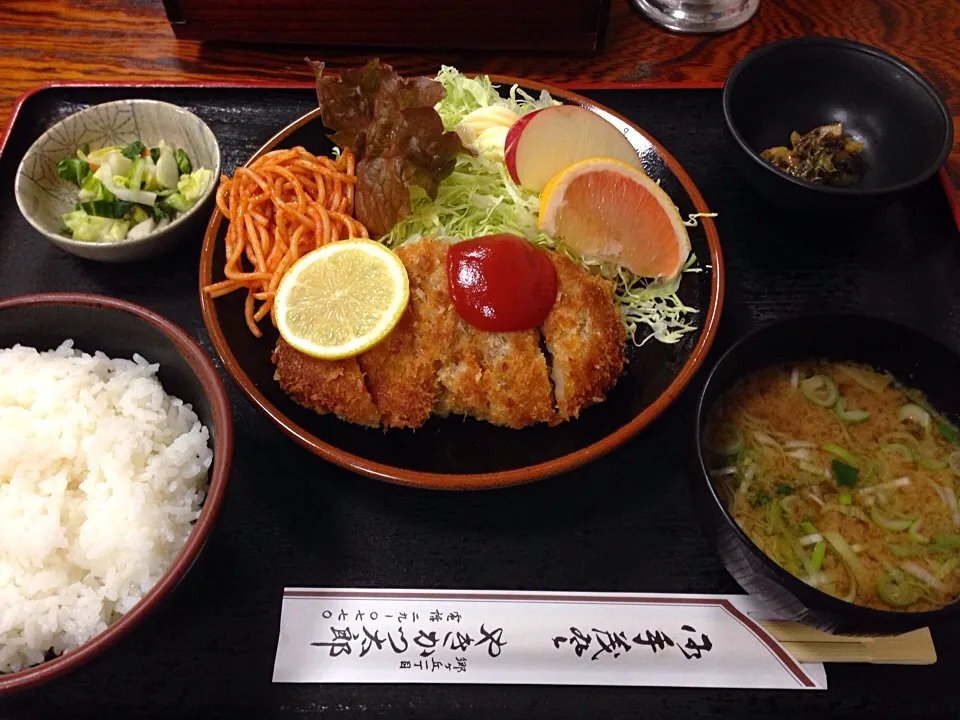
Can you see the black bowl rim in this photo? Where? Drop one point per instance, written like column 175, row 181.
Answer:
column 795, row 586
column 853, row 46
column 219, row 474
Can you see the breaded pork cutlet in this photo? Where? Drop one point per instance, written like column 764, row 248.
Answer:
column 435, row 363
column 325, row 386
column 401, row 371
column 585, row 338
column 498, row 377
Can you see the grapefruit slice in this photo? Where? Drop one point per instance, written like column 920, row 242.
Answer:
column 606, row 209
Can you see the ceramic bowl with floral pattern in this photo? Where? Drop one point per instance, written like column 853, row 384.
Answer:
column 43, row 197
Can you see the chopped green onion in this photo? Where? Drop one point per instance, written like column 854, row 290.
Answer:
column 845, row 499
column 775, row 517
column 954, row 462
column 931, row 463
column 846, row 553
column 896, row 589
column 949, row 565
column 890, row 523
column 867, row 379
column 948, row 432
column 808, row 527
column 914, row 413
column 819, row 551
column 850, row 416
column 906, row 550
column 899, row 448
column 914, row 532
column 761, row 498
column 846, row 475
column 845, row 455
column 924, row 576
column 820, row 390
column 784, row 489
column 947, row 540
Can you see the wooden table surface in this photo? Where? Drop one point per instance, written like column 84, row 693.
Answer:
column 108, row 40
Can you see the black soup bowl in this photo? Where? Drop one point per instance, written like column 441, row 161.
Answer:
column 913, row 358
column 802, row 83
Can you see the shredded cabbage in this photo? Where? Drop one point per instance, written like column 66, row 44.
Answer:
column 480, row 198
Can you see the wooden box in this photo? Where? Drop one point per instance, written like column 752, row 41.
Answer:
column 572, row 26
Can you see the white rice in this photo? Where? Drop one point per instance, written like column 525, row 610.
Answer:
column 101, row 477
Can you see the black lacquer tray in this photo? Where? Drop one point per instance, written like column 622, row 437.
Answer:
column 622, row 523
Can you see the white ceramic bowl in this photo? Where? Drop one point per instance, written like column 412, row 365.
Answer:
column 43, row 197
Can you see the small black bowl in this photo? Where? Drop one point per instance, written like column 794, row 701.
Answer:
column 914, row 359
column 801, row 83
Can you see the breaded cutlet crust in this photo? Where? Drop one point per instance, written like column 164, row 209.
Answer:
column 585, row 337
column 402, row 370
column 325, row 386
column 434, row 362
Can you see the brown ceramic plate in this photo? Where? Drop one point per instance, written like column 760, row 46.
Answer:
column 455, row 453
column 120, row 329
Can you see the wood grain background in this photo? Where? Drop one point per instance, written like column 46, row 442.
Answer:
column 108, row 40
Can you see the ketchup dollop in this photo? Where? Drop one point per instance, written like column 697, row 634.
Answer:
column 501, row 283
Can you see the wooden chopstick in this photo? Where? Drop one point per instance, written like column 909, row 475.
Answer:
column 809, row 645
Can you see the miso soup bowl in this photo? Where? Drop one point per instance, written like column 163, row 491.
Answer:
column 914, row 359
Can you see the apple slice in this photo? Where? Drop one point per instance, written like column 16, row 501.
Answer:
column 542, row 143
column 513, row 134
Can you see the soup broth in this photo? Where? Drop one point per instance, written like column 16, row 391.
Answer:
column 845, row 478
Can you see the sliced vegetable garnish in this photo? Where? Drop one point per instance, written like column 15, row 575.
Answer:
column 948, row 432
column 843, row 549
column 897, row 589
column 846, row 475
column 850, row 416
column 133, row 150
column 900, row 448
column 784, row 489
column 889, row 522
column 820, row 390
column 183, row 162
column 907, row 550
column 914, row 532
column 923, row 575
column 124, row 194
column 845, row 499
column 73, row 170
column 931, row 463
column 912, row 412
column 105, row 208
column 947, row 540
column 954, row 462
column 819, row 551
column 845, row 455
column 397, row 135
column 761, row 498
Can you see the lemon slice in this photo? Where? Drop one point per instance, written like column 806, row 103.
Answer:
column 341, row 299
